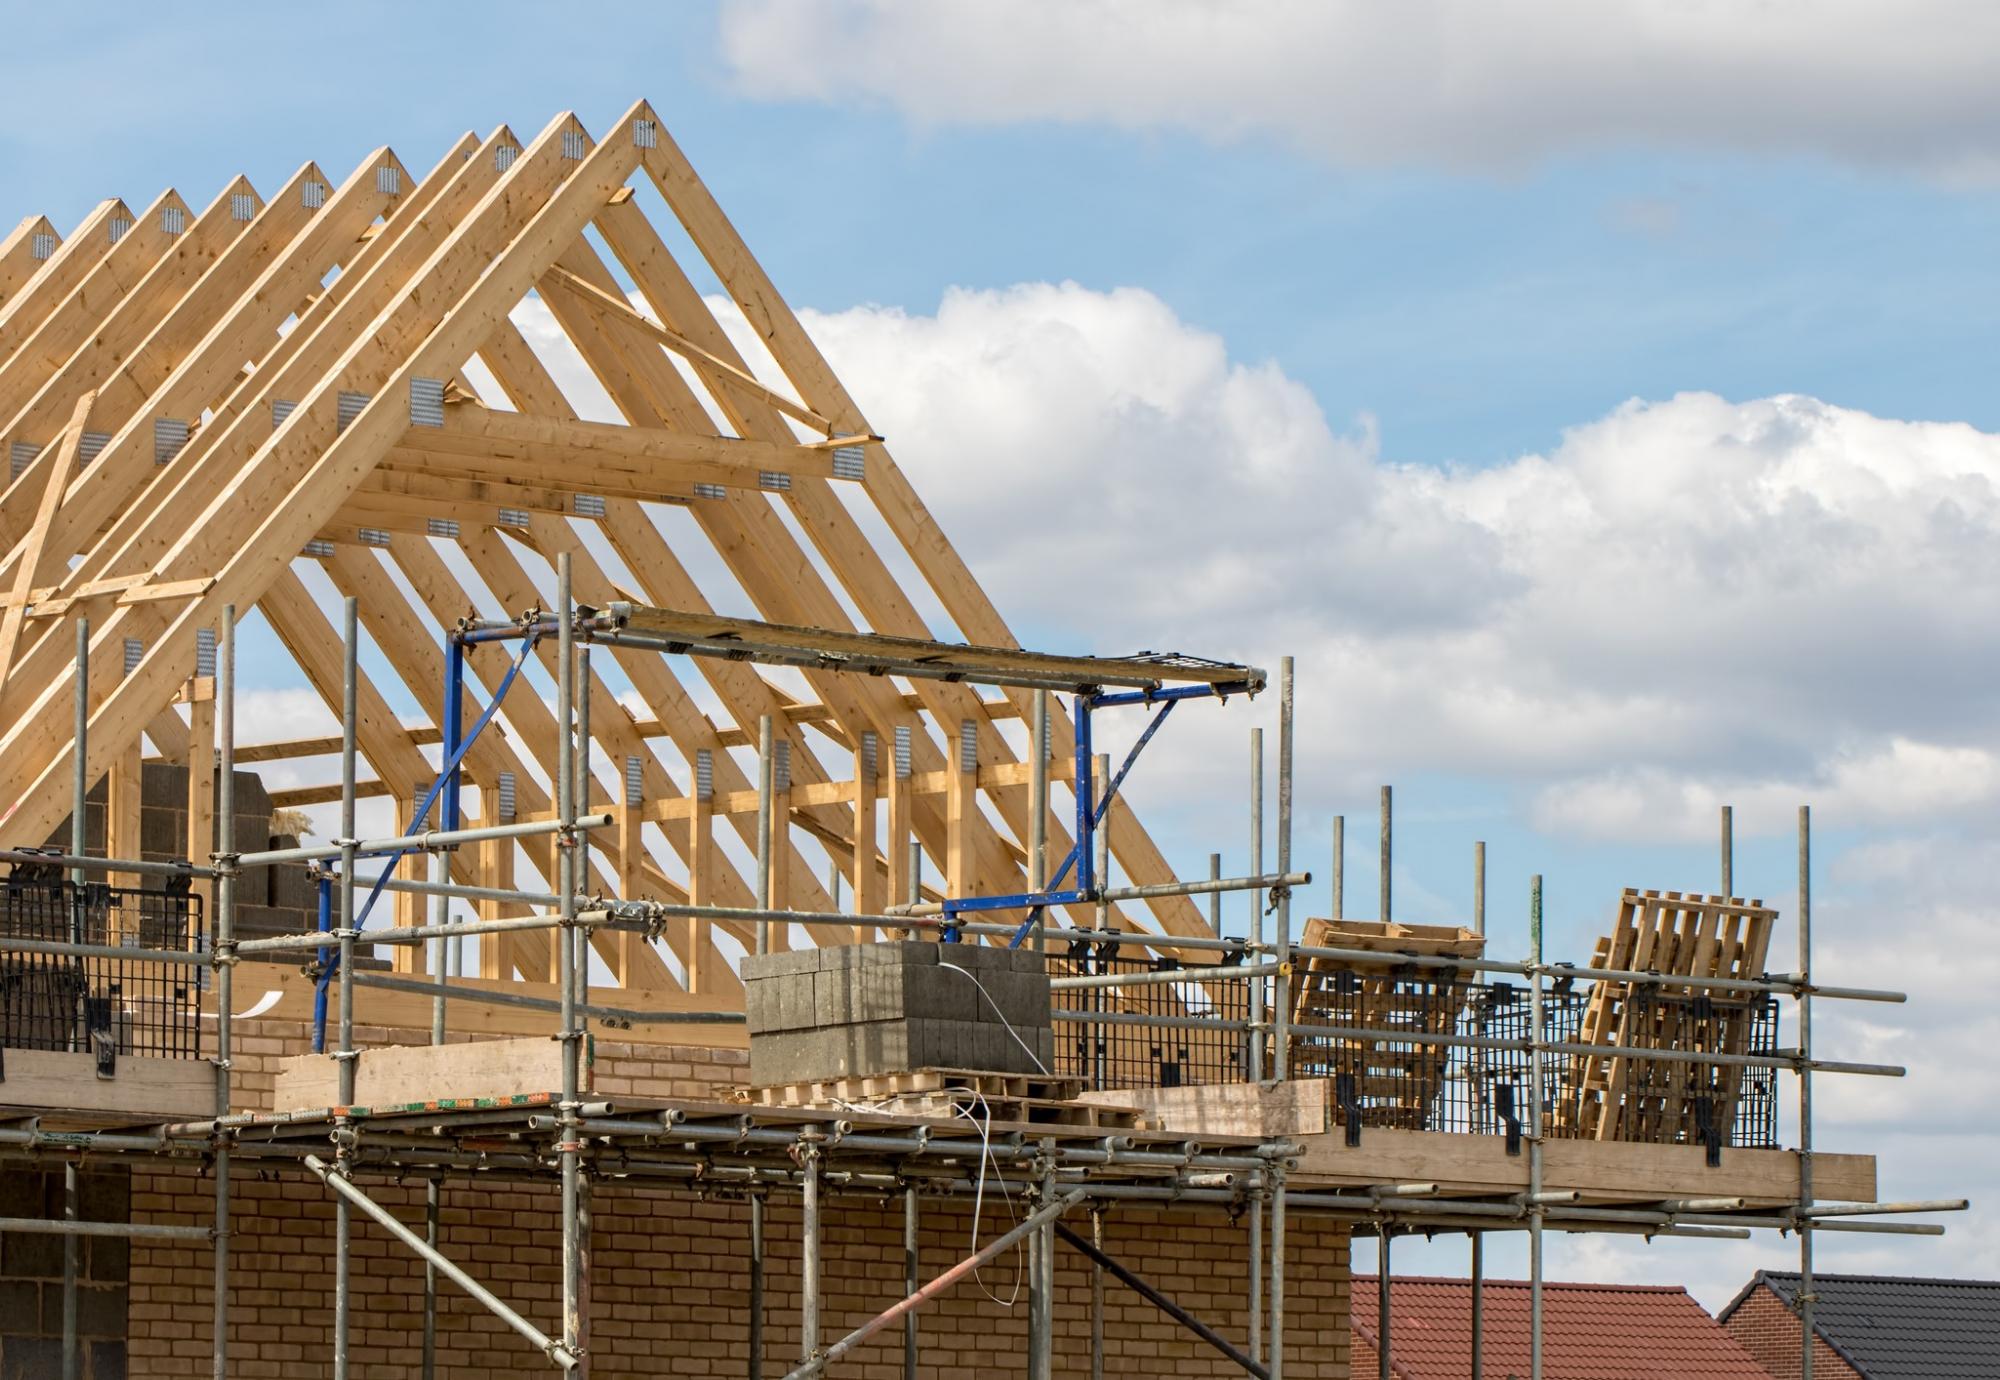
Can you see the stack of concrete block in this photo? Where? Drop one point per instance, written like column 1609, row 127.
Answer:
column 860, row 1010
column 269, row 901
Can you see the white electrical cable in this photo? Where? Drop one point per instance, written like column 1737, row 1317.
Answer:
column 1033, row 1058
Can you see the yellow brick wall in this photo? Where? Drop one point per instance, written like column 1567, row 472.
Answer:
column 669, row 1280
column 669, row 1286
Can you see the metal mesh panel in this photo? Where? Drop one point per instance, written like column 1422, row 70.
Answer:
column 60, row 1002
column 1117, row 1054
column 1383, row 1081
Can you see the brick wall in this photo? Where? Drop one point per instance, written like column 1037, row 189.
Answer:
column 669, row 1271
column 1769, row 1331
column 31, row 1274
column 669, row 1286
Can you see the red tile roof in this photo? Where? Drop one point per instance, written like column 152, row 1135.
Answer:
column 1589, row 1332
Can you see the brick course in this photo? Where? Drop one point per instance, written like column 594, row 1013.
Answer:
column 1769, row 1330
column 669, row 1286
column 669, row 1282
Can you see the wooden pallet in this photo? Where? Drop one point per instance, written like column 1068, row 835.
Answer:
column 1012, row 1097
column 1394, row 1086
column 1612, row 1096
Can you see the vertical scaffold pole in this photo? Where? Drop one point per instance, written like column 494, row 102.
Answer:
column 809, row 1251
column 79, row 838
column 1535, row 1059
column 440, row 911
column 1100, row 1040
column 1383, row 1326
column 765, row 783
column 1256, row 928
column 1479, row 889
column 579, row 940
column 1281, row 983
column 1256, row 1244
column 569, row 1151
column 1097, row 1296
column 224, row 953
column 1477, row 1238
column 1478, row 1305
column 1086, row 802
column 1728, row 852
column 1339, row 886
column 1388, row 850
column 1041, row 1280
column 1275, row 1366
column 911, row 1252
column 1806, row 1298
column 766, row 789
column 344, row 1054
column 1038, row 813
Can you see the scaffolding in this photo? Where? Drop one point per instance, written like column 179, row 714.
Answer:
column 1224, row 1005
column 198, row 407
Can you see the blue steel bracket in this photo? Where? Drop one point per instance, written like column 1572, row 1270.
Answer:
column 1027, row 898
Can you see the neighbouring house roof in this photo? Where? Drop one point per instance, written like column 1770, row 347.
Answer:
column 1589, row 1332
column 1892, row 1328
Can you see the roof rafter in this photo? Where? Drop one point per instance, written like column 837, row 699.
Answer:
column 278, row 387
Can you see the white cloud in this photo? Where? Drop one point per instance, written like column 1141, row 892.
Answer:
column 1779, row 597
column 1897, row 782
column 1683, row 602
column 1459, row 83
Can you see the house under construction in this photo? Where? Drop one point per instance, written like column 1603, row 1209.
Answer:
column 763, row 974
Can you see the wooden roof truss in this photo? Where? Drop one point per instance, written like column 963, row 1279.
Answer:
column 261, row 401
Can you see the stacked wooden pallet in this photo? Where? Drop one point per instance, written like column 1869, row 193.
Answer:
column 1611, row 1095
column 1388, row 1082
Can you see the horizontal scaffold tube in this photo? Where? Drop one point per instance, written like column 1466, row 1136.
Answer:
column 491, row 997
column 1781, row 1060
column 61, row 1227
column 1147, row 1019
column 71, row 861
column 1786, row 984
column 1206, row 886
column 1162, row 976
column 1059, row 938
column 11, row 944
column 422, row 843
column 401, row 934
column 458, row 889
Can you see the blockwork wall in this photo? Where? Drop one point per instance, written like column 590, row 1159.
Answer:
column 669, row 1286
column 31, row 1276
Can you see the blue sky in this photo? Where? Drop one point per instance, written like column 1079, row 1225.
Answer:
column 1558, row 625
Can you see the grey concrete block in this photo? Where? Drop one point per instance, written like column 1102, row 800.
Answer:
column 954, row 1044
column 760, row 1006
column 1017, row 998
column 878, row 992
column 839, row 957
column 976, row 957
column 834, row 996
column 251, row 797
column 885, row 1047
column 163, row 783
column 953, row 995
column 292, row 887
column 797, row 1056
column 779, row 964
column 907, row 953
column 162, row 833
column 797, row 1006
